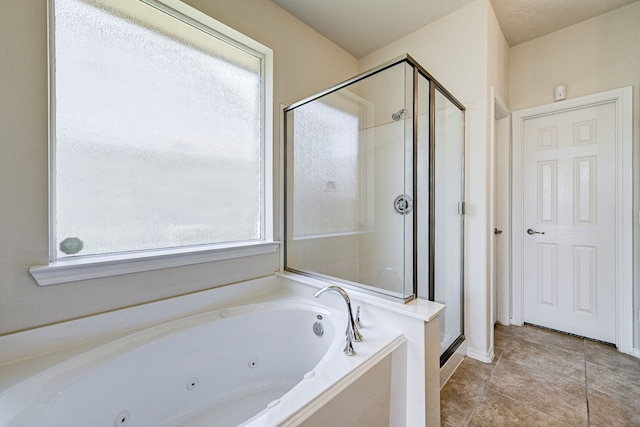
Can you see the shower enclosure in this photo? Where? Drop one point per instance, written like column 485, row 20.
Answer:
column 374, row 188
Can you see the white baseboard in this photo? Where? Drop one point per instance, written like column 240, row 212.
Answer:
column 486, row 357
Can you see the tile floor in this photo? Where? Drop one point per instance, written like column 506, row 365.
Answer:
column 543, row 378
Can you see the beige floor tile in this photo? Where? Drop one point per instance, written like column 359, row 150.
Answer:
column 608, row 355
column 495, row 410
column 499, row 346
column 561, row 399
column 471, row 370
column 498, row 328
column 615, row 381
column 554, row 361
column 607, row 411
column 538, row 378
column 498, row 353
column 549, row 338
column 501, row 337
column 457, row 401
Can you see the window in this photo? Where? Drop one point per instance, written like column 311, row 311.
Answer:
column 158, row 126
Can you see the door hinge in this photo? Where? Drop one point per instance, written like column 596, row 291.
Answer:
column 461, row 208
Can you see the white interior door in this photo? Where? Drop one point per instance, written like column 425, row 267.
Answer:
column 569, row 221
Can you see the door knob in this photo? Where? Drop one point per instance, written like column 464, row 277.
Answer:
column 497, row 231
column 532, row 231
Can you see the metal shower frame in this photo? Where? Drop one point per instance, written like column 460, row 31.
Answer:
column 418, row 70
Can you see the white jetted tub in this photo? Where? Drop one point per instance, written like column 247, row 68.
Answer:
column 261, row 364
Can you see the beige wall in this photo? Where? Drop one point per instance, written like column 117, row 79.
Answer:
column 498, row 57
column 498, row 78
column 304, row 63
column 600, row 54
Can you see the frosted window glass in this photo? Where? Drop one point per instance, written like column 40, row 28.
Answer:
column 157, row 132
column 326, row 169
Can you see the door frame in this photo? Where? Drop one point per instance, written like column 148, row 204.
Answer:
column 500, row 167
column 622, row 98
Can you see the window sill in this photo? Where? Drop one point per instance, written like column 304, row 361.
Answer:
column 94, row 267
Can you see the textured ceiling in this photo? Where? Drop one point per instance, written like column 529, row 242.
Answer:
column 524, row 20
column 363, row 26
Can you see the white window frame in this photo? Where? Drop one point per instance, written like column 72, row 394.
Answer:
column 91, row 267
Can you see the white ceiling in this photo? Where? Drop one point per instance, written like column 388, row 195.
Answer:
column 363, row 26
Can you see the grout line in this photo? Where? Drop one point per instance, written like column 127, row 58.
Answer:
column 511, row 341
column 586, row 382
column 529, row 406
column 485, row 387
column 475, row 406
column 557, row 378
column 537, row 370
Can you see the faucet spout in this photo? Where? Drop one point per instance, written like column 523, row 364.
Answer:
column 352, row 333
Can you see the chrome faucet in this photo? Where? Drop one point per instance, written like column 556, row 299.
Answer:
column 352, row 333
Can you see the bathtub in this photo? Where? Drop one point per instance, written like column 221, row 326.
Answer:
column 268, row 363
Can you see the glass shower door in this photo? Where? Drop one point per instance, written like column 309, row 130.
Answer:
column 349, row 207
column 448, row 165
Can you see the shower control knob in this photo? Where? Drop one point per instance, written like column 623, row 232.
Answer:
column 403, row 204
